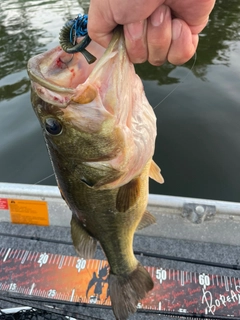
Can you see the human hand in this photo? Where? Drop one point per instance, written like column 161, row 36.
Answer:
column 154, row 30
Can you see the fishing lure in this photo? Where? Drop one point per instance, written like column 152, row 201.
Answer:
column 69, row 34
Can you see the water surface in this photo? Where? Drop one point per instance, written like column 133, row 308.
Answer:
column 198, row 143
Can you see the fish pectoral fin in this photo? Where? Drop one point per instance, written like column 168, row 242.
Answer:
column 154, row 173
column 147, row 220
column 84, row 244
column 128, row 194
column 100, row 176
column 108, row 181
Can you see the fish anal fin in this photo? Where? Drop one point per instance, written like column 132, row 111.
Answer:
column 127, row 291
column 147, row 220
column 154, row 173
column 127, row 195
column 84, row 244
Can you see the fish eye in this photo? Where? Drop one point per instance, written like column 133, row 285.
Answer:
column 53, row 126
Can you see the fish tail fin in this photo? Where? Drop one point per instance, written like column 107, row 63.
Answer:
column 84, row 244
column 127, row 291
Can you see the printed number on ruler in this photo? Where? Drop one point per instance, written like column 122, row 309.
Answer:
column 12, row 287
column 204, row 280
column 43, row 259
column 52, row 293
column 81, row 264
column 161, row 275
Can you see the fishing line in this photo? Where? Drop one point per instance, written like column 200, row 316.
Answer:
column 194, row 62
column 44, row 179
column 137, row 252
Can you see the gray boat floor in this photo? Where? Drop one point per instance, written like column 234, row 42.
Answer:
column 42, row 239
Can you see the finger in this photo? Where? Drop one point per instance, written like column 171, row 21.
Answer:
column 194, row 12
column 105, row 15
column 136, row 42
column 183, row 44
column 159, row 35
column 100, row 23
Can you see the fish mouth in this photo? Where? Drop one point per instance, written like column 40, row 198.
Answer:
column 35, row 74
column 59, row 71
column 56, row 71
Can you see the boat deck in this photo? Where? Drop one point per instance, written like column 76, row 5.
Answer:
column 195, row 253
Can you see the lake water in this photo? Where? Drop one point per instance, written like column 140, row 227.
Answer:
column 198, row 143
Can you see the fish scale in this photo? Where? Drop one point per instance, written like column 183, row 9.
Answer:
column 176, row 292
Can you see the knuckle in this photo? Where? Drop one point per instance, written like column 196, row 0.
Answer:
column 157, row 62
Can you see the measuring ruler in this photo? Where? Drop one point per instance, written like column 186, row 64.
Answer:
column 68, row 278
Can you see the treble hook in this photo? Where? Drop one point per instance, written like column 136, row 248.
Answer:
column 70, row 46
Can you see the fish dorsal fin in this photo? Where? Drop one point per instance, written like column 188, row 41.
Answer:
column 154, row 172
column 127, row 195
column 147, row 220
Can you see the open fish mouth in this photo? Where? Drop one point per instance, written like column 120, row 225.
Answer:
column 56, row 71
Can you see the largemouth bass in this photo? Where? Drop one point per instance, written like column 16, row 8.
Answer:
column 100, row 134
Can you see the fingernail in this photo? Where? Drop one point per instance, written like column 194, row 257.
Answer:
column 158, row 16
column 176, row 29
column 135, row 30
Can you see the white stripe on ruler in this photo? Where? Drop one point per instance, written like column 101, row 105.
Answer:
column 6, row 255
column 226, row 283
column 54, row 259
column 74, row 261
column 15, row 252
column 182, row 278
column 152, row 271
column 24, row 257
column 50, row 258
column 72, row 295
column 61, row 262
column 59, row 257
column 69, row 261
column 31, row 289
column 32, row 257
column 23, row 252
column 18, row 254
column 222, row 281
